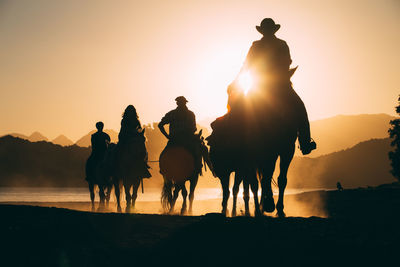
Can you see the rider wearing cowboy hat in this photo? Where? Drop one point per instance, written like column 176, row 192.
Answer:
column 269, row 62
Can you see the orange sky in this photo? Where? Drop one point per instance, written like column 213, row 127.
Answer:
column 66, row 64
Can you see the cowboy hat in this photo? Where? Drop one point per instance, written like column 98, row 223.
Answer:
column 181, row 99
column 268, row 26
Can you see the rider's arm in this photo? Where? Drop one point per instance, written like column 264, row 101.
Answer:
column 284, row 56
column 193, row 123
column 164, row 120
column 92, row 141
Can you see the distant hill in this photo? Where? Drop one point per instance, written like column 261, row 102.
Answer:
column 84, row 141
column 365, row 164
column 22, row 136
column 36, row 136
column 344, row 131
column 62, row 140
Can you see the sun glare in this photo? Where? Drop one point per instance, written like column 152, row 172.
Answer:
column 245, row 82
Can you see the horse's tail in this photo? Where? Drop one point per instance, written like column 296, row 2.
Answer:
column 166, row 195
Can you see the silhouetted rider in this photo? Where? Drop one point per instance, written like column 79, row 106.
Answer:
column 100, row 141
column 268, row 61
column 182, row 122
column 130, row 125
column 182, row 128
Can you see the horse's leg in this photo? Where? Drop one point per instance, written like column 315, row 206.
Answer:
column 184, row 196
column 246, row 197
column 235, row 191
column 285, row 160
column 91, row 191
column 117, row 191
column 193, row 183
column 102, row 197
column 254, row 188
column 108, row 194
column 174, row 197
column 225, row 192
column 267, row 198
column 135, row 187
column 128, row 197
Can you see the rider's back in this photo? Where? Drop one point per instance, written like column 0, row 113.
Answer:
column 99, row 141
column 182, row 123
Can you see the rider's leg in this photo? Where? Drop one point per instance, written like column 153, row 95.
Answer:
column 301, row 117
column 285, row 159
column 193, row 182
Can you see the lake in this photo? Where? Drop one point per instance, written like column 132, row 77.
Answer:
column 80, row 194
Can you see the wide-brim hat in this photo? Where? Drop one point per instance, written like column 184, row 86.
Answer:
column 268, row 26
column 181, row 99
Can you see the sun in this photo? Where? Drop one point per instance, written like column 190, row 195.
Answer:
column 245, row 81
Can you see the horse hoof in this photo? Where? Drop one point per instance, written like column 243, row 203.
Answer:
column 233, row 213
column 183, row 211
column 257, row 213
column 280, row 214
column 268, row 204
column 247, row 213
column 224, row 212
column 119, row 209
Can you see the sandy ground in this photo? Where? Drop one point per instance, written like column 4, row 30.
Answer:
column 361, row 228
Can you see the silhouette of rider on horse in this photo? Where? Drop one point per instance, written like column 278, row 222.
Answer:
column 100, row 141
column 182, row 128
column 268, row 62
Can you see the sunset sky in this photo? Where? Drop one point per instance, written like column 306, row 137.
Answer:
column 66, row 64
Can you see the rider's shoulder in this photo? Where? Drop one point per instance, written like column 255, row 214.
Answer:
column 257, row 43
column 281, row 42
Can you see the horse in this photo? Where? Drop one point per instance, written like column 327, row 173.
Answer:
column 227, row 157
column 280, row 133
column 274, row 119
column 130, row 167
column 98, row 173
column 177, row 165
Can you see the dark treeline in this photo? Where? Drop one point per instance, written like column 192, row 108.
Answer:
column 25, row 163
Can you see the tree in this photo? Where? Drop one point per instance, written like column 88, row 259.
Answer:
column 394, row 132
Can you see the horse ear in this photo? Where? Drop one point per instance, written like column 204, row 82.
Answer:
column 292, row 71
column 201, row 132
